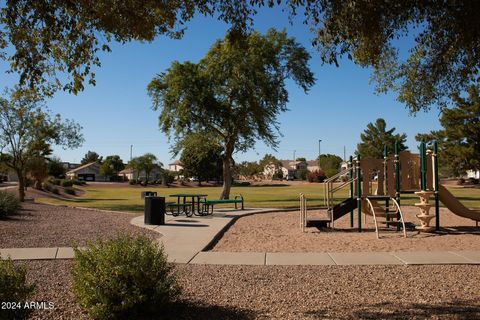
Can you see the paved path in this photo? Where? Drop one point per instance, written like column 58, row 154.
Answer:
column 184, row 240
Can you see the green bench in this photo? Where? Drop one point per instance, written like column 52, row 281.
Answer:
column 208, row 204
column 179, row 208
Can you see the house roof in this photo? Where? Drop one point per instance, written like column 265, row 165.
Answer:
column 95, row 164
column 176, row 162
column 126, row 170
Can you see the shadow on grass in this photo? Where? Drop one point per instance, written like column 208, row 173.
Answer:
column 190, row 310
column 459, row 309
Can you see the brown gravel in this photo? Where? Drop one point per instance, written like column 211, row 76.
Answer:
column 294, row 292
column 40, row 225
column 280, row 232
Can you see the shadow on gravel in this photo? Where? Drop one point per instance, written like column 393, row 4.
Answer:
column 189, row 310
column 457, row 309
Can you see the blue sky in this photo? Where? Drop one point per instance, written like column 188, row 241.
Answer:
column 116, row 113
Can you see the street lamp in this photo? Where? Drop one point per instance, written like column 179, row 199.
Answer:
column 319, row 152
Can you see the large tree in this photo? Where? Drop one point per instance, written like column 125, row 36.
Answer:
column 91, row 156
column 111, row 166
column 234, row 94
column 27, row 132
column 49, row 38
column 201, row 157
column 459, row 140
column 376, row 137
column 146, row 163
column 330, row 163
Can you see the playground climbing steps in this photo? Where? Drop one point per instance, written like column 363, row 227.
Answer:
column 389, row 214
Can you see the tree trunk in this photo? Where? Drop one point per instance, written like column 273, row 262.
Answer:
column 21, row 185
column 227, row 177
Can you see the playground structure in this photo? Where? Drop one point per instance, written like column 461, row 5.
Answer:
column 375, row 189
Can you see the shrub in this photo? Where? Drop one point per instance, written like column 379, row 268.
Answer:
column 9, row 204
column 302, row 173
column 67, row 183
column 158, row 181
column 316, row 176
column 14, row 288
column 47, row 186
column 123, row 278
column 78, row 182
column 460, row 181
column 56, row 182
column 472, row 180
column 331, row 172
column 55, row 190
column 132, row 182
column 69, row 190
column 167, row 178
column 151, row 182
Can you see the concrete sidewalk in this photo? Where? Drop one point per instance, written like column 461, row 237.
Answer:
column 281, row 258
column 185, row 240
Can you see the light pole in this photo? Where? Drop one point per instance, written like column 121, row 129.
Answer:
column 319, row 152
column 131, row 149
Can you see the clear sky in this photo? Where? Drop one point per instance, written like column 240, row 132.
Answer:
column 116, row 113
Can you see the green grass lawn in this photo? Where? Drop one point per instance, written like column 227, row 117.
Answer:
column 281, row 196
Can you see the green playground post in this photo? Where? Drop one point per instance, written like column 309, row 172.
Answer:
column 350, row 177
column 359, row 194
column 385, row 179
column 397, row 179
column 423, row 166
column 435, row 185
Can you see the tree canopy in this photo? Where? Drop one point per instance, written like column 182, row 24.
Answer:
column 330, row 163
column 49, row 39
column 91, row 156
column 459, row 140
column 201, row 157
column 146, row 163
column 234, row 94
column 27, row 132
column 111, row 166
column 376, row 137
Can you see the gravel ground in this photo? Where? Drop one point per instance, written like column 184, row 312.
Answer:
column 294, row 292
column 280, row 232
column 40, row 225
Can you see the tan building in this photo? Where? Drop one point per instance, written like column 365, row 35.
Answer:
column 87, row 172
column 175, row 166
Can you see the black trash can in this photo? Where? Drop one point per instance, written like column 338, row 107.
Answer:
column 154, row 210
column 148, row 194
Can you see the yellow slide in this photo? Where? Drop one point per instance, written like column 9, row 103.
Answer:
column 456, row 206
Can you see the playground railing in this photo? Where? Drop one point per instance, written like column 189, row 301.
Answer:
column 329, row 188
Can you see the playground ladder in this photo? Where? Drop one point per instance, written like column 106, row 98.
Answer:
column 378, row 211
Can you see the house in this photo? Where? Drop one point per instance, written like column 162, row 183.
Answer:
column 473, row 174
column 70, row 166
column 290, row 169
column 175, row 166
column 131, row 174
column 87, row 172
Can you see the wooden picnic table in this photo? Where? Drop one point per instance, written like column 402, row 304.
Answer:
column 195, row 199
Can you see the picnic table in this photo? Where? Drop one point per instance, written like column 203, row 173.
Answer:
column 194, row 200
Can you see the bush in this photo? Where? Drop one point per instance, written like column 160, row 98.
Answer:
column 123, row 278
column 14, row 288
column 158, row 181
column 69, row 190
column 316, row 176
column 151, row 182
column 55, row 190
column 302, row 173
column 331, row 172
column 56, row 182
column 460, row 181
column 67, row 183
column 132, row 182
column 9, row 204
column 78, row 182
column 167, row 178
column 47, row 186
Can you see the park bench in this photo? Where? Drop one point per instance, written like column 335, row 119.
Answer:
column 208, row 204
column 178, row 208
